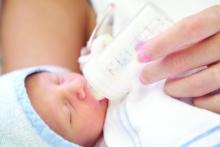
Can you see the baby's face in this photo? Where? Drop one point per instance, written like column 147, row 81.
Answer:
column 66, row 105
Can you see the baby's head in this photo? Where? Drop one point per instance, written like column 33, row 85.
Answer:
column 64, row 102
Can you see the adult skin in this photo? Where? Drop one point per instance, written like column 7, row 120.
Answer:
column 189, row 44
column 38, row 32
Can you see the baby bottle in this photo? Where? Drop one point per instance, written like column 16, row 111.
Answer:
column 107, row 73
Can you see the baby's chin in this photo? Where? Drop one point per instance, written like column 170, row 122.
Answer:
column 102, row 103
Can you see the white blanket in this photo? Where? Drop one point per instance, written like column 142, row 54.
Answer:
column 150, row 118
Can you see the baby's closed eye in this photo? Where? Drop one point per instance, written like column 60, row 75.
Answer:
column 68, row 112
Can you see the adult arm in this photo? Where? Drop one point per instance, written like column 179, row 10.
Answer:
column 39, row 32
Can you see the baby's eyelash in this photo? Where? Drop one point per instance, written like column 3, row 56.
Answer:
column 67, row 104
column 59, row 80
column 70, row 117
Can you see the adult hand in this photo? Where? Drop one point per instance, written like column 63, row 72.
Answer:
column 191, row 43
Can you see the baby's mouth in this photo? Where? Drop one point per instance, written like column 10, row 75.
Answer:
column 104, row 100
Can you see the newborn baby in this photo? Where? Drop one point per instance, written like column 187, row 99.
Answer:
column 48, row 106
column 52, row 103
column 64, row 102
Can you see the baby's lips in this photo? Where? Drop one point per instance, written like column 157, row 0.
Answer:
column 104, row 100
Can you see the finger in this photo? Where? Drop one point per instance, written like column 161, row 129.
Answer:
column 209, row 102
column 189, row 31
column 203, row 53
column 196, row 85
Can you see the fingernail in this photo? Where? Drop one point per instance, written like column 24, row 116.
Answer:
column 142, row 57
column 140, row 46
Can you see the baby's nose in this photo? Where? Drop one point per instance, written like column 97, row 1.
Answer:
column 76, row 87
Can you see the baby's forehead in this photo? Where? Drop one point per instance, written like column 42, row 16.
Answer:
column 64, row 75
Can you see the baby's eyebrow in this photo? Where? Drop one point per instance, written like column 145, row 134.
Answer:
column 52, row 77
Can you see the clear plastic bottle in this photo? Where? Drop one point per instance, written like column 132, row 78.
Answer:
column 107, row 74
